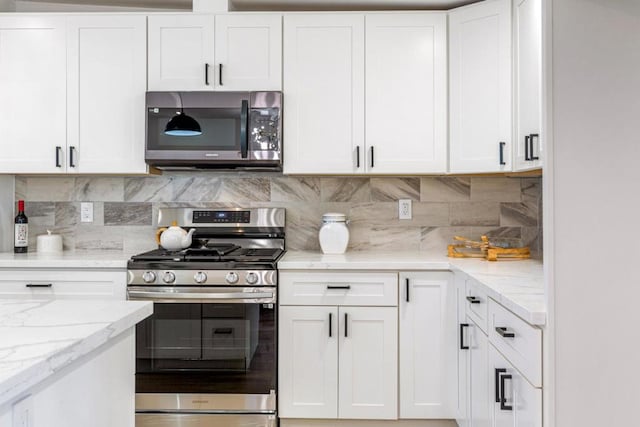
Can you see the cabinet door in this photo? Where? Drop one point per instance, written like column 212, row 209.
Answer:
column 480, row 87
column 33, row 88
column 528, row 71
column 479, row 381
column 106, row 91
column 462, row 344
column 406, row 93
column 181, row 52
column 308, row 362
column 522, row 404
column 368, row 363
column 324, row 93
column 248, row 52
column 427, row 345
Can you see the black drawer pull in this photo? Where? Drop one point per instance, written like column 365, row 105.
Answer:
column 330, row 322
column 407, row 285
column 462, row 346
column 504, row 333
column 223, row 331
column 503, row 399
column 532, row 137
column 497, row 381
column 39, row 285
column 346, row 323
column 339, row 287
column 474, row 300
column 502, row 162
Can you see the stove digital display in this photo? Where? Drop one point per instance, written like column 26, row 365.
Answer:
column 224, row 217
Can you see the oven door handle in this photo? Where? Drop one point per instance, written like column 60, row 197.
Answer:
column 136, row 294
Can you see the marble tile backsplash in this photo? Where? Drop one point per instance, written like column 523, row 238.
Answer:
column 125, row 207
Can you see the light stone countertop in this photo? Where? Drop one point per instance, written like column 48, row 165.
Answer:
column 518, row 285
column 39, row 338
column 86, row 259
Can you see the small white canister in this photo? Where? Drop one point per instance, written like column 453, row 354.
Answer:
column 334, row 233
column 49, row 243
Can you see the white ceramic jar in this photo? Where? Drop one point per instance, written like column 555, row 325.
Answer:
column 334, row 233
column 49, row 243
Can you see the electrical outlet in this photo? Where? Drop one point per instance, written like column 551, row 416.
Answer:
column 404, row 208
column 86, row 212
column 23, row 413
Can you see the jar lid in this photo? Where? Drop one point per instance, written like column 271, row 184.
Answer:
column 334, row 217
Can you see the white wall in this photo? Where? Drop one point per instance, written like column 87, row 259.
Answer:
column 595, row 229
column 7, row 192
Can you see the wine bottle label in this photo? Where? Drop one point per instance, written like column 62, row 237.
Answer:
column 21, row 235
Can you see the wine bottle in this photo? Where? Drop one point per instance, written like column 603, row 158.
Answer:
column 21, row 234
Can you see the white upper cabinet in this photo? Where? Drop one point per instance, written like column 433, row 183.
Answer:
column 323, row 93
column 480, row 88
column 248, row 52
column 406, row 93
column 33, row 87
column 106, row 80
column 427, row 345
column 181, row 52
column 528, row 73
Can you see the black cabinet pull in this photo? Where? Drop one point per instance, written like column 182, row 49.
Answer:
column 58, row 152
column 527, row 157
column 531, row 138
column 502, row 162
column 39, row 285
column 339, row 287
column 372, row 161
column 220, row 74
column 72, row 162
column 462, row 346
column 223, row 331
column 407, row 286
column 330, row 322
column 346, row 323
column 497, row 382
column 358, row 157
column 473, row 300
column 206, row 74
column 503, row 399
column 504, row 333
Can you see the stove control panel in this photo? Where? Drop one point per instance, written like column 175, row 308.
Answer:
column 218, row 217
column 202, row 277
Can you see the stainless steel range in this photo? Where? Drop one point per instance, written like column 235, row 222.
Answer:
column 208, row 355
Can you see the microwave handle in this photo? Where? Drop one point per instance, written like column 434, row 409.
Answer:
column 244, row 129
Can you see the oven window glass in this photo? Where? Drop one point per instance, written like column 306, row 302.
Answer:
column 220, row 130
column 207, row 348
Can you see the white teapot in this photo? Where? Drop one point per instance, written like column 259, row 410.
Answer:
column 174, row 238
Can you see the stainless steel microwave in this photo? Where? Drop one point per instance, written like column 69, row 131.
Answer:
column 236, row 130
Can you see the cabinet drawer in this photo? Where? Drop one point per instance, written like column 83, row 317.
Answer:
column 56, row 284
column 477, row 304
column 338, row 288
column 518, row 341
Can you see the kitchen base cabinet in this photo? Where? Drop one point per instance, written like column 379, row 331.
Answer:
column 308, row 377
column 516, row 402
column 63, row 284
column 427, row 309
column 479, row 409
column 97, row 390
column 462, row 374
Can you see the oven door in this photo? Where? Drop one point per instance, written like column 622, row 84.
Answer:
column 206, row 341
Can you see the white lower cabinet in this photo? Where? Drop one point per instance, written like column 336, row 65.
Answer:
column 63, row 284
column 308, row 374
column 427, row 310
column 368, row 363
column 479, row 414
column 516, row 403
column 462, row 372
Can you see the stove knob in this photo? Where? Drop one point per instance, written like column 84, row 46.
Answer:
column 149, row 277
column 252, row 278
column 232, row 277
column 200, row 277
column 169, row 277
